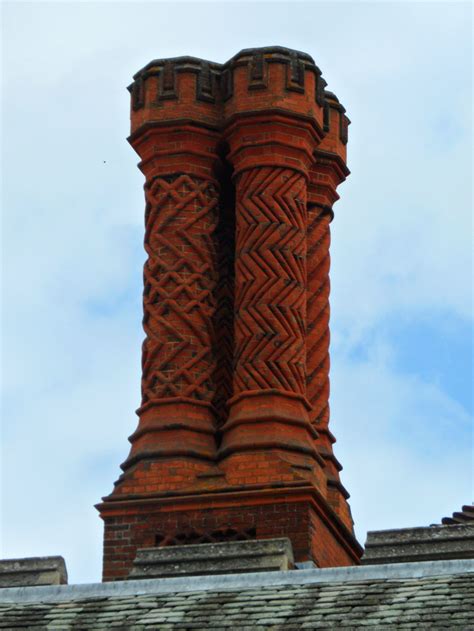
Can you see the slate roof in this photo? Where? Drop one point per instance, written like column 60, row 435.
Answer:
column 427, row 595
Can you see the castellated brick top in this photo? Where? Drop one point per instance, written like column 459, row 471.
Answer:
column 271, row 80
column 242, row 161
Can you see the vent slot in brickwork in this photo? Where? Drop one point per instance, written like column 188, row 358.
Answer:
column 192, row 537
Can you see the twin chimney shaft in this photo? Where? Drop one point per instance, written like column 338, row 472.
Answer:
column 242, row 161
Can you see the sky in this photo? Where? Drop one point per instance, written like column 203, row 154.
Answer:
column 72, row 255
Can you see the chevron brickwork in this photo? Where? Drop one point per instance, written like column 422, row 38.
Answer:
column 241, row 162
column 270, row 296
column 327, row 172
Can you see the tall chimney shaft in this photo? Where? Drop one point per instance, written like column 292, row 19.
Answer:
column 241, row 163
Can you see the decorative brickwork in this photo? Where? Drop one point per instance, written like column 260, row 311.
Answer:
column 242, row 162
column 219, row 518
column 179, row 296
column 326, row 173
column 317, row 343
column 191, row 537
column 270, row 293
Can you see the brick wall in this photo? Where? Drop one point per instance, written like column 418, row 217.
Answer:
column 157, row 524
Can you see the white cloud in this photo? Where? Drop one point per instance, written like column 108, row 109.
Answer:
column 405, row 445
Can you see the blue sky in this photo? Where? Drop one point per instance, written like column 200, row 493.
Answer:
column 72, row 229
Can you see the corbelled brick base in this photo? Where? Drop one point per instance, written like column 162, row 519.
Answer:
column 219, row 518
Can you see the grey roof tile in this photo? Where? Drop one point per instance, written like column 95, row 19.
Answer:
column 392, row 602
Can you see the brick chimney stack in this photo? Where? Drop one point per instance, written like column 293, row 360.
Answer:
column 242, row 161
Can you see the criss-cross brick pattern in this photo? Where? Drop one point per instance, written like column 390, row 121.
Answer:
column 317, row 341
column 192, row 537
column 270, row 293
column 179, row 293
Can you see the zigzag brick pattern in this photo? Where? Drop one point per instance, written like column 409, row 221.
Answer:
column 270, row 297
column 317, row 343
column 179, row 294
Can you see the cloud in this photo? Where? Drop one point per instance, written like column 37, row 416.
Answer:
column 406, row 446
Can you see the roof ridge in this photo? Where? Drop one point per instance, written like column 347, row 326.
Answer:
column 117, row 589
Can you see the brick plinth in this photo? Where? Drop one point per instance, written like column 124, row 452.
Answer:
column 241, row 162
column 298, row 513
